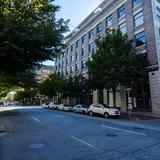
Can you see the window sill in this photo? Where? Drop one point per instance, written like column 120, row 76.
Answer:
column 134, row 8
column 144, row 45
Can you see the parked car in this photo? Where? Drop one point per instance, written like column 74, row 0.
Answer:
column 51, row 105
column 104, row 110
column 59, row 107
column 65, row 107
column 81, row 108
column 45, row 105
column 56, row 105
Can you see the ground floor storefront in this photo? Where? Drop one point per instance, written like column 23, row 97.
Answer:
column 145, row 98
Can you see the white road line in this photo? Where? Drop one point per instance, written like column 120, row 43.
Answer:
column 90, row 145
column 124, row 130
column 37, row 120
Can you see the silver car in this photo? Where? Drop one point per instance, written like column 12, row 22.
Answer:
column 104, row 110
column 65, row 107
column 81, row 108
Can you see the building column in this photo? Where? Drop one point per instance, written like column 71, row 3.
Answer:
column 105, row 96
column 95, row 96
column 154, row 78
column 123, row 98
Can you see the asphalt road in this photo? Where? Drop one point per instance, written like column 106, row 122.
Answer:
column 38, row 134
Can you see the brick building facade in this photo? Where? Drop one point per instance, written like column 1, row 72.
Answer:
column 140, row 19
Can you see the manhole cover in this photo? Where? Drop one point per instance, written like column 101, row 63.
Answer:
column 138, row 128
column 36, row 146
column 111, row 135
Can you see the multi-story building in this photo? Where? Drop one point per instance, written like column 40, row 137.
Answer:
column 44, row 72
column 140, row 19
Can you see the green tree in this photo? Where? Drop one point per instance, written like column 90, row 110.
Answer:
column 29, row 35
column 51, row 86
column 114, row 62
column 72, row 87
column 26, row 96
column 55, row 85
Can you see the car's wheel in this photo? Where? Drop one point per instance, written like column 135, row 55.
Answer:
column 91, row 113
column 83, row 112
column 106, row 115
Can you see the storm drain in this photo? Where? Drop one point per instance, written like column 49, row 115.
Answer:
column 111, row 135
column 36, row 146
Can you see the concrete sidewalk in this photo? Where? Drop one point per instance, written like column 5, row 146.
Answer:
column 139, row 115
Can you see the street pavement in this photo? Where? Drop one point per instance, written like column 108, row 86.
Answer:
column 32, row 133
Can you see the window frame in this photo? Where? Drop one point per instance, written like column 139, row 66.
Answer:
column 109, row 19
column 121, row 11
column 122, row 26
column 139, row 17
column 136, row 3
column 140, row 38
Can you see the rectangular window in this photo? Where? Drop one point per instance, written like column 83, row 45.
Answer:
column 90, row 34
column 66, row 72
column 77, row 66
column 158, row 12
column 136, row 3
column 83, row 39
column 72, row 69
column 90, row 47
column 77, row 55
column 159, row 33
column 99, row 37
column 140, row 39
column 67, row 61
column 158, row 1
column 99, row 27
column 83, row 64
column 123, row 28
column 138, row 19
column 121, row 11
column 72, row 58
column 109, row 21
column 67, row 51
column 72, row 47
column 77, row 44
column 83, row 51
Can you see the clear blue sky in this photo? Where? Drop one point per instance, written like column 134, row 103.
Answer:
column 76, row 11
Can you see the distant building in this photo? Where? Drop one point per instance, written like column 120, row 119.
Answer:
column 140, row 19
column 44, row 72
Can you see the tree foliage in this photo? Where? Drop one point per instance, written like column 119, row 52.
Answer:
column 29, row 34
column 115, row 62
column 27, row 96
column 72, row 87
column 55, row 85
column 51, row 86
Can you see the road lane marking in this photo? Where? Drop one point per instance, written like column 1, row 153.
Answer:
column 124, row 130
column 37, row 120
column 89, row 145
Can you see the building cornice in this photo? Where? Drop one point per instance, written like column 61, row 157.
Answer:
column 88, row 19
